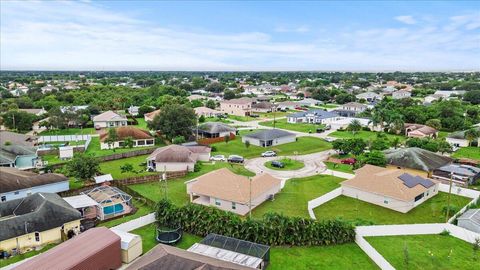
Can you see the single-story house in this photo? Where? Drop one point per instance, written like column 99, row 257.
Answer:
column 149, row 116
column 109, row 119
column 133, row 110
column 415, row 160
column 350, row 109
column 17, row 184
column 458, row 139
column 8, row 137
column 112, row 202
column 420, row 131
column 165, row 257
column 460, row 174
column 400, row 94
column 84, row 204
column 263, row 107
column 37, row 112
column 313, row 117
column 231, row 192
column 18, row 156
column 269, row 137
column 207, row 112
column 309, row 102
column 470, row 220
column 287, row 105
column 177, row 157
column 431, row 98
column 131, row 245
column 36, row 220
column 393, row 189
column 196, row 97
column 215, row 130
column 140, row 138
column 97, row 248
column 369, row 96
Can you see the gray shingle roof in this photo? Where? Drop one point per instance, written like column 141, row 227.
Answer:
column 216, row 127
column 466, row 170
column 416, row 158
column 36, row 213
column 471, row 214
column 269, row 134
column 12, row 179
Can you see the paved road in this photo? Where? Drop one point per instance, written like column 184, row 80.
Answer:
column 313, row 165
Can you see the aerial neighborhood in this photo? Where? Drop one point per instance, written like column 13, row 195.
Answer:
column 235, row 135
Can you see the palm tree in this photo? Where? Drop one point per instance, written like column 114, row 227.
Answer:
column 471, row 135
column 354, row 126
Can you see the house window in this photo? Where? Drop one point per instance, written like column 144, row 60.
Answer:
column 385, row 201
column 419, row 197
column 140, row 142
column 37, row 236
column 234, row 205
column 217, row 202
column 121, row 143
column 149, row 141
column 4, row 198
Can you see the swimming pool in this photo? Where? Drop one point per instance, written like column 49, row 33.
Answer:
column 117, row 208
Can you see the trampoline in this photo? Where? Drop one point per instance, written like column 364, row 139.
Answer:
column 168, row 236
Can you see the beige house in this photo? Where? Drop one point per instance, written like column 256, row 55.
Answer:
column 420, row 131
column 109, row 119
column 393, row 189
column 238, row 106
column 140, row 137
column 177, row 157
column 231, row 192
column 36, row 220
column 207, row 112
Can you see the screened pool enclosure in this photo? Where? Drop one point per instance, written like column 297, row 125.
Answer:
column 111, row 201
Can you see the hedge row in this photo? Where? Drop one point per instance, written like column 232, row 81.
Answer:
column 272, row 229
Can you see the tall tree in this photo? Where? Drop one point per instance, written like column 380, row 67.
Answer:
column 82, row 166
column 354, row 126
column 175, row 120
column 18, row 120
column 471, row 135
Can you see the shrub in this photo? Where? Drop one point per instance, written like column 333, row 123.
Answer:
column 213, row 148
column 197, row 167
column 453, row 209
column 178, row 140
column 272, row 229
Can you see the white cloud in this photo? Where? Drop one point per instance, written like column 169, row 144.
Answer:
column 79, row 36
column 406, row 19
column 299, row 29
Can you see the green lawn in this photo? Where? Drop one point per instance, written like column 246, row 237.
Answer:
column 366, row 135
column 141, row 123
column 23, row 256
column 75, row 184
column 289, row 164
column 300, row 127
column 436, row 252
column 216, row 119
column 339, row 167
column 293, row 198
column 177, row 190
column 143, row 210
column 356, row 210
column 69, row 131
column 303, row 145
column 467, row 152
column 113, row 167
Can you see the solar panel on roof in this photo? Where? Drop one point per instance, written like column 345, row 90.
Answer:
column 411, row 181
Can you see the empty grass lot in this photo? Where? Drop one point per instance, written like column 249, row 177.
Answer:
column 352, row 210
column 303, row 145
column 177, row 190
column 365, row 135
column 468, row 152
column 138, row 163
column 339, row 167
column 288, row 163
column 428, row 252
column 68, row 131
column 293, row 198
column 347, row 256
column 300, row 127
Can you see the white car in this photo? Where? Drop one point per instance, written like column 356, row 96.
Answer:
column 218, row 158
column 269, row 154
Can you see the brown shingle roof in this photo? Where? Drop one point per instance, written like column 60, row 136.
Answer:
column 128, row 131
column 420, row 128
column 385, row 182
column 12, row 179
column 226, row 185
column 178, row 153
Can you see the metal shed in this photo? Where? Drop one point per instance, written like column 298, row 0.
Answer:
column 131, row 245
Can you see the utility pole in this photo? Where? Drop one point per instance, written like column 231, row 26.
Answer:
column 448, row 200
column 274, row 113
column 250, row 198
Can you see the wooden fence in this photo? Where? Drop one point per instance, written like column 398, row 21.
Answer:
column 127, row 154
column 215, row 140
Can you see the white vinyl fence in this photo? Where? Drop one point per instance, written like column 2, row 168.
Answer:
column 63, row 138
column 136, row 223
column 322, row 199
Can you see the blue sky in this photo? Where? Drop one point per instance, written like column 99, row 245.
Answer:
column 248, row 35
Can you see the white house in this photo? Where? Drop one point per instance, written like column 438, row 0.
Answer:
column 458, row 139
column 400, row 94
column 269, row 137
column 109, row 119
column 313, row 117
column 16, row 184
column 177, row 157
column 350, row 109
column 133, row 110
column 140, row 138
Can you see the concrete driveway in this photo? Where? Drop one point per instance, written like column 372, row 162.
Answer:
column 313, row 165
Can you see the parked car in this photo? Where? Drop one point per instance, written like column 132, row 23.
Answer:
column 254, row 115
column 277, row 164
column 349, row 161
column 269, row 154
column 218, row 158
column 328, row 127
column 235, row 159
